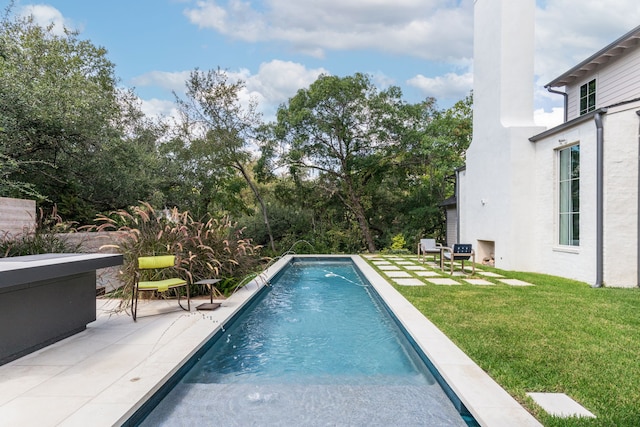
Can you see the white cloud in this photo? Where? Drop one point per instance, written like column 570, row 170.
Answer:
column 548, row 119
column 430, row 29
column 273, row 84
column 45, row 15
column 159, row 108
column 569, row 31
column 173, row 81
column 449, row 86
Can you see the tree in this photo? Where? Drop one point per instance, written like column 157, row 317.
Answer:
column 220, row 128
column 64, row 123
column 343, row 129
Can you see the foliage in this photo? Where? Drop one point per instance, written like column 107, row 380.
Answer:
column 220, row 128
column 343, row 129
column 398, row 242
column 46, row 237
column 214, row 248
column 68, row 135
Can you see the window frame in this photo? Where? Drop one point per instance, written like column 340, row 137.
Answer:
column 568, row 197
column 587, row 97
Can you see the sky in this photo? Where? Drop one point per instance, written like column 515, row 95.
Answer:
column 279, row 46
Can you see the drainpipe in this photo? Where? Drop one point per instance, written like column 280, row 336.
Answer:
column 638, row 214
column 566, row 102
column 599, row 199
column 457, row 207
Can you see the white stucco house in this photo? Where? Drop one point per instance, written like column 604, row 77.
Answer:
column 562, row 201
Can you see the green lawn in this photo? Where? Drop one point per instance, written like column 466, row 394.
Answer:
column 557, row 336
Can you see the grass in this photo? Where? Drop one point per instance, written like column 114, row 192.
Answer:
column 557, row 336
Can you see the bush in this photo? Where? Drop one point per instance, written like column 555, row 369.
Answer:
column 214, row 248
column 44, row 239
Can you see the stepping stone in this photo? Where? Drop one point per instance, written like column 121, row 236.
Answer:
column 489, row 274
column 409, row 282
column 381, row 262
column 481, row 282
column 397, row 274
column 433, row 264
column 515, row 282
column 415, row 267
column 405, row 263
column 388, row 267
column 427, row 273
column 560, row 405
column 443, row 281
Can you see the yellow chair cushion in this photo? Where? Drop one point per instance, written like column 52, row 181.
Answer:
column 161, row 285
column 161, row 261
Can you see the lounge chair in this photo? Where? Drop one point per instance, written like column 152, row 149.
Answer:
column 460, row 252
column 159, row 285
column 429, row 246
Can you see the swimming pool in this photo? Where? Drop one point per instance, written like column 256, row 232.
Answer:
column 318, row 347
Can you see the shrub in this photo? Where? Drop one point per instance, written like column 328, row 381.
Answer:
column 45, row 238
column 214, row 248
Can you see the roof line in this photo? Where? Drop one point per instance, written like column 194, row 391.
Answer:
column 562, row 80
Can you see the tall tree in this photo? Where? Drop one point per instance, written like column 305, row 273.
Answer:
column 221, row 128
column 62, row 122
column 343, row 129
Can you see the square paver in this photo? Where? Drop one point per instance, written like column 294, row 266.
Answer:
column 409, row 282
column 489, row 274
column 427, row 273
column 443, row 281
column 397, row 274
column 515, row 282
column 480, row 282
column 388, row 267
column 381, row 262
column 414, row 267
column 405, row 263
column 560, row 405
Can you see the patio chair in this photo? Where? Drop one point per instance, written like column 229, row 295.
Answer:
column 429, row 246
column 460, row 252
column 153, row 264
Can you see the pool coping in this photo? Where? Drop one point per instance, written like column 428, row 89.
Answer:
column 104, row 374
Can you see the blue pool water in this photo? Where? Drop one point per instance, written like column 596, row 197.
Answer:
column 317, row 348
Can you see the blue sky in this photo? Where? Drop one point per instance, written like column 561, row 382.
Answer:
column 279, row 46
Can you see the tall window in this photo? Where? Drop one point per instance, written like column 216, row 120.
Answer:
column 569, row 196
column 588, row 97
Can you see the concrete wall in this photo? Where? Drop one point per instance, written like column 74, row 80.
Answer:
column 497, row 184
column 17, row 216
column 108, row 278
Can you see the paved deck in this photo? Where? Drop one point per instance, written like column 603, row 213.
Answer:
column 101, row 376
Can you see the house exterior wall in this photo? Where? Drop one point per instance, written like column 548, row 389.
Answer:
column 452, row 226
column 575, row 262
column 616, row 82
column 620, row 215
column 621, row 196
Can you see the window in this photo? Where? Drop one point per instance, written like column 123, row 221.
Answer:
column 588, row 97
column 569, row 215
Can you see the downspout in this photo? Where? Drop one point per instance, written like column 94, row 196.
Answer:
column 566, row 102
column 457, row 207
column 599, row 198
column 638, row 213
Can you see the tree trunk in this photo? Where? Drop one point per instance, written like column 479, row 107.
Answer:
column 358, row 210
column 261, row 202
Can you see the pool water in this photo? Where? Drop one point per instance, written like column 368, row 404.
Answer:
column 318, row 348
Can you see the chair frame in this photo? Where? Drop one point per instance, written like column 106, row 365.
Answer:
column 459, row 252
column 435, row 250
column 156, row 263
